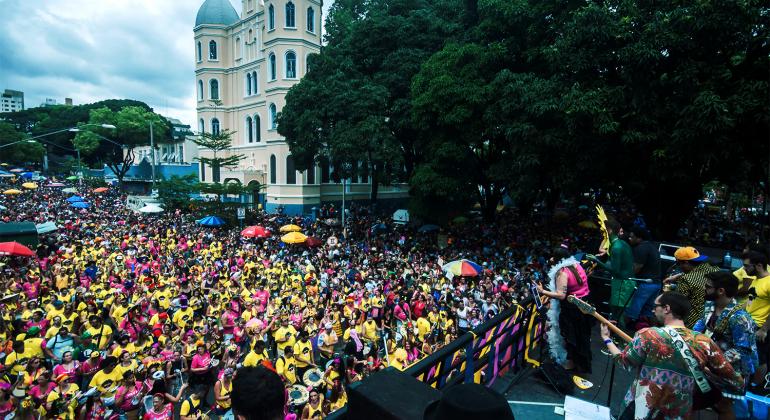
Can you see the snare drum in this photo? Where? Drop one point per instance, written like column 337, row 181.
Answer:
column 19, row 393
column 298, row 395
column 313, row 377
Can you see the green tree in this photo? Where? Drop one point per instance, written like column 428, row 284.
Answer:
column 176, row 191
column 19, row 153
column 132, row 129
column 220, row 145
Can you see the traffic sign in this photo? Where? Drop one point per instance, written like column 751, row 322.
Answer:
column 241, row 213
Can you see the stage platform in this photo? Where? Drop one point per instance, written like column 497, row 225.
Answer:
column 532, row 397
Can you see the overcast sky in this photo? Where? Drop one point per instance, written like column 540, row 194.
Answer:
column 90, row 50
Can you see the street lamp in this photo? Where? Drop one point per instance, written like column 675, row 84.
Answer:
column 77, row 150
column 17, row 142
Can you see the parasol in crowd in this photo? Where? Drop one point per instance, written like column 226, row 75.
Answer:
column 428, row 228
column 15, row 249
column 211, row 221
column 313, row 242
column 29, row 185
column 294, row 238
column 12, row 191
column 290, row 228
column 75, row 199
column 46, row 227
column 69, row 190
column 56, row 184
column 101, row 189
column 71, row 178
column 255, row 232
column 80, row 205
column 465, row 268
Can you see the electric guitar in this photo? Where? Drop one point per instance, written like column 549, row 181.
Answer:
column 587, row 309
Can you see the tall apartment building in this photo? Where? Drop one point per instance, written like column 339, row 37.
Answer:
column 12, row 101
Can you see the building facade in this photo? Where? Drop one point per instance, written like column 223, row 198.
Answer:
column 245, row 65
column 12, row 101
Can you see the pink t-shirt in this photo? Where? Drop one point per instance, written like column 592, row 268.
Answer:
column 199, row 361
column 128, row 394
column 573, row 287
column 166, row 414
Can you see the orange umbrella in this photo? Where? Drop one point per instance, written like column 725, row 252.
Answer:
column 101, row 189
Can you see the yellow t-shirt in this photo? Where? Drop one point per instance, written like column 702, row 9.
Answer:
column 423, row 328
column 106, row 335
column 189, row 406
column 18, row 360
column 253, row 358
column 760, row 306
column 288, row 332
column 107, row 383
column 182, row 317
column 287, row 366
column 303, row 351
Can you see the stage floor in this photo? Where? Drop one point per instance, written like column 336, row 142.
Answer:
column 532, row 397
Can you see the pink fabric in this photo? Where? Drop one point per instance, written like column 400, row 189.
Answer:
column 199, row 361
column 573, row 287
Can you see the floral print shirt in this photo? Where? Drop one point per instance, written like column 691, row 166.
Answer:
column 664, row 386
column 734, row 332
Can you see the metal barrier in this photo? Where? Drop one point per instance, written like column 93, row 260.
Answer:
column 499, row 345
column 502, row 344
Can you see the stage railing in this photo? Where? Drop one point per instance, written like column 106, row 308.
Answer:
column 503, row 344
column 500, row 345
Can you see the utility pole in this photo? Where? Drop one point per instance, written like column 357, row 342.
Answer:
column 152, row 151
column 80, row 169
column 344, row 228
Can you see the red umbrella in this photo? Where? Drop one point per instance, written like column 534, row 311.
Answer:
column 313, row 242
column 255, row 232
column 15, row 249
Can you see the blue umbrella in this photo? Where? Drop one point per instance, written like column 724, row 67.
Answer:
column 80, row 205
column 27, row 175
column 211, row 221
column 428, row 228
column 75, row 199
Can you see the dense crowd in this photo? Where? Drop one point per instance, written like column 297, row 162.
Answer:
column 128, row 314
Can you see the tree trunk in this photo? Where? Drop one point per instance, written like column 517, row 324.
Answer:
column 666, row 205
column 375, row 186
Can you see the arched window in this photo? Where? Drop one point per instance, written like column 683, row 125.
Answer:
column 214, row 126
column 271, row 18
column 257, row 128
column 272, row 115
column 251, row 36
column 212, row 50
column 311, row 175
column 255, row 86
column 248, row 84
column 250, row 129
column 238, row 47
column 201, row 126
column 214, row 89
column 290, row 15
column 291, row 65
column 200, row 90
column 310, row 19
column 199, row 52
column 272, row 66
column 273, row 170
column 291, row 171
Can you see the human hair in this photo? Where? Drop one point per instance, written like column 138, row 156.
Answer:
column 560, row 253
column 756, row 258
column 613, row 225
column 679, row 304
column 258, row 394
column 724, row 280
column 640, row 232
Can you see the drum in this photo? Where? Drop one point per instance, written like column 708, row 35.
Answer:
column 298, row 395
column 313, row 377
column 19, row 393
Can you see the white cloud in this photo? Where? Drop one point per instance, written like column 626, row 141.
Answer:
column 90, row 50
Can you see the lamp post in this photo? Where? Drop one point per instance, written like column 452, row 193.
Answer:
column 17, row 142
column 77, row 150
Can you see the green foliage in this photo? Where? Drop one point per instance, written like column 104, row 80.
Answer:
column 176, row 191
column 19, row 153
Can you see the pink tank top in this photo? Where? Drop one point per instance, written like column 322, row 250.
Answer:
column 573, row 287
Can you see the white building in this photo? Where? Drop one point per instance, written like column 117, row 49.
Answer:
column 249, row 62
column 12, row 101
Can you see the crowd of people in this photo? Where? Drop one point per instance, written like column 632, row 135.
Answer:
column 129, row 314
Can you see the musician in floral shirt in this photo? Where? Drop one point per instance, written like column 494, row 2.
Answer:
column 664, row 385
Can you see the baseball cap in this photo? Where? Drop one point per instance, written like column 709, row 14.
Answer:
column 688, row 253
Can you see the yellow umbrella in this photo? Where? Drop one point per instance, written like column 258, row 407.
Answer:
column 11, row 192
column 29, row 185
column 294, row 238
column 290, row 228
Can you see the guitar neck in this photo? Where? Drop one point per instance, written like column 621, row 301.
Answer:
column 612, row 327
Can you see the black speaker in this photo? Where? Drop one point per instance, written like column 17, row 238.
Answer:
column 558, row 377
column 389, row 394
